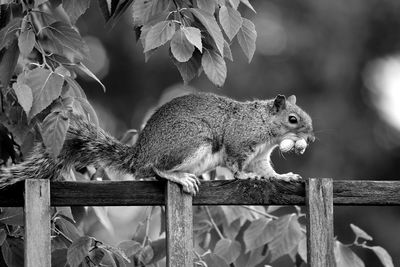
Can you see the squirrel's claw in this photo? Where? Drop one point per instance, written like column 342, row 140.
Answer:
column 190, row 183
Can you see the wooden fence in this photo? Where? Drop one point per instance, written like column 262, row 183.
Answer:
column 319, row 195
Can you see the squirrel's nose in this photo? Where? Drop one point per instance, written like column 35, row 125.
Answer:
column 310, row 138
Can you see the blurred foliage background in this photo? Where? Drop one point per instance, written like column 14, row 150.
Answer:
column 340, row 58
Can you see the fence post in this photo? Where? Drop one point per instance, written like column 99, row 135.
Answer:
column 37, row 223
column 319, row 201
column 179, row 226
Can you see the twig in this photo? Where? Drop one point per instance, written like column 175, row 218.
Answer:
column 213, row 223
column 260, row 212
column 147, row 226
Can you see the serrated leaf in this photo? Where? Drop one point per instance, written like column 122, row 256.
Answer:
column 360, row 233
column 211, row 25
column 214, row 66
column 247, row 36
column 130, row 247
column 24, row 96
column 8, row 61
column 227, row 249
column 207, row 5
column 75, row 8
column 227, row 51
column 256, row 234
column 181, row 48
column 26, row 42
column 231, row 21
column 345, row 257
column 159, row 34
column 383, row 255
column 79, row 250
column 247, row 3
column 194, row 36
column 46, row 86
column 214, row 260
column 54, row 131
column 8, row 33
column 145, row 10
column 88, row 72
column 189, row 69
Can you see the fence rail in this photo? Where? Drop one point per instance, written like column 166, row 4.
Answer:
column 318, row 194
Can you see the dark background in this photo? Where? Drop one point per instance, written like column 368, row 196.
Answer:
column 340, row 58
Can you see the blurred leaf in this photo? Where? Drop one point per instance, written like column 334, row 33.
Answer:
column 247, row 3
column 360, row 233
column 129, row 247
column 257, row 234
column 75, row 8
column 24, row 96
column 189, row 69
column 302, row 249
column 214, row 260
column 247, row 36
column 78, row 250
column 146, row 255
column 214, row 66
column 145, row 10
column 13, row 252
column 117, row 254
column 227, row 51
column 54, row 131
column 8, row 61
column 345, row 257
column 46, row 86
column 207, row 5
column 159, row 250
column 181, row 48
column 193, row 35
column 88, row 110
column 230, row 20
column 119, row 11
column 26, row 42
column 90, row 74
column 383, row 255
column 12, row 216
column 159, row 34
column 8, row 33
column 255, row 257
column 75, row 89
column 234, row 3
column 212, row 27
column 105, row 8
column 228, row 249
column 101, row 213
column 3, row 236
column 59, row 257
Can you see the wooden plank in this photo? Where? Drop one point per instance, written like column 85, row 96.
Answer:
column 179, row 226
column 37, row 223
column 319, row 202
column 228, row 192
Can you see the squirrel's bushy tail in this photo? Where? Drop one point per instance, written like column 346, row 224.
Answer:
column 85, row 144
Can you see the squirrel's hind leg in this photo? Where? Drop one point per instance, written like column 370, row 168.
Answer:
column 189, row 181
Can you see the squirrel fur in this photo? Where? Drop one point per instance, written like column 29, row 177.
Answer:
column 183, row 139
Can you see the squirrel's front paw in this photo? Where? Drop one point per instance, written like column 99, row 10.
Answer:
column 190, row 183
column 247, row 175
column 290, row 176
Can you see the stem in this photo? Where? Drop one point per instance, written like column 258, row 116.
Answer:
column 147, row 226
column 58, row 232
column 213, row 223
column 260, row 212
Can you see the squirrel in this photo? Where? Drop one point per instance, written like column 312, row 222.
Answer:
column 183, row 139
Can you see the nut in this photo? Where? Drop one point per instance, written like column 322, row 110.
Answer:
column 301, row 146
column 286, row 145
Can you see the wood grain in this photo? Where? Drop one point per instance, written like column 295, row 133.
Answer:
column 227, row 192
column 179, row 226
column 320, row 222
column 37, row 223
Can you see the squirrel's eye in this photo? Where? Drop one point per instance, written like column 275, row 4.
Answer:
column 292, row 119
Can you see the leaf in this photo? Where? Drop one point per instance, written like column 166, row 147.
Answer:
column 90, row 74
column 189, row 69
column 159, row 251
column 8, row 33
column 159, row 34
column 146, row 255
column 118, row 255
column 46, row 86
column 256, row 235
column 12, row 216
column 75, row 8
column 88, row 109
column 54, row 131
column 234, row 3
column 96, row 256
column 65, row 40
column 119, row 11
column 13, row 252
column 59, row 257
column 3, row 236
column 214, row 260
column 227, row 51
column 383, row 255
column 75, row 90
column 194, row 36
column 181, row 48
column 345, row 257
column 211, row 25
column 130, row 247
column 360, row 233
column 247, row 3
column 302, row 249
column 214, row 66
column 24, row 96
column 101, row 213
column 26, row 42
column 145, row 10
column 78, row 250
column 227, row 249
column 287, row 236
column 8, row 61
column 207, row 5
column 247, row 36
column 231, row 21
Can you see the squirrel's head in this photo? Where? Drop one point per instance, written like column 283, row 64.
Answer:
column 294, row 123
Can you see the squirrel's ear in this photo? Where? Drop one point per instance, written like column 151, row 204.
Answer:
column 279, row 103
column 292, row 99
